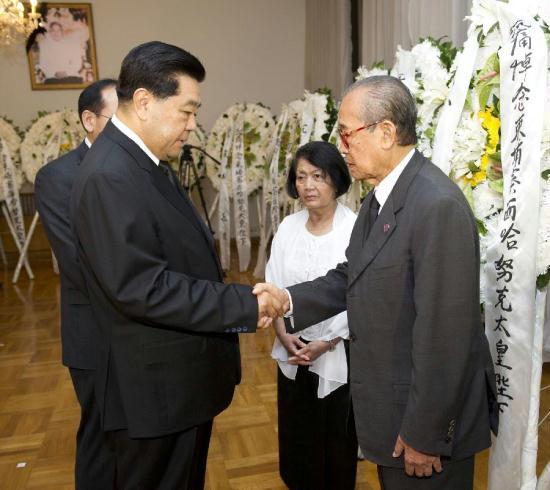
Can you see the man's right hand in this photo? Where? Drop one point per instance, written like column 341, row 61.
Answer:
column 272, row 303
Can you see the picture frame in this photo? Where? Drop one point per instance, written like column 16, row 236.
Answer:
column 64, row 56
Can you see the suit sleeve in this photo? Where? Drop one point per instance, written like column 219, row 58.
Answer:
column 317, row 300
column 115, row 231
column 446, row 298
column 52, row 195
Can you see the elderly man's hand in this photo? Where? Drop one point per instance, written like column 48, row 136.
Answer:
column 272, row 303
column 416, row 463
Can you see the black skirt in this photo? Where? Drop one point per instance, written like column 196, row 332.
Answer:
column 317, row 439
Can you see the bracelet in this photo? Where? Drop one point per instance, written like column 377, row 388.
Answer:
column 331, row 345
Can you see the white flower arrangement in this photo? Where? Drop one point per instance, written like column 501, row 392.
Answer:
column 40, row 134
column 258, row 128
column 364, row 72
column 11, row 138
column 423, row 72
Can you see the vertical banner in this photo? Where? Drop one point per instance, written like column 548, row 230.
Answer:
column 240, row 195
column 452, row 109
column 511, row 255
column 224, row 212
column 11, row 193
column 274, row 170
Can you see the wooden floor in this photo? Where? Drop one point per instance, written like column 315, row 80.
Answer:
column 39, row 411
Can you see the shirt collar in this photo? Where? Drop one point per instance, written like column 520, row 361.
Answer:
column 134, row 137
column 87, row 141
column 383, row 190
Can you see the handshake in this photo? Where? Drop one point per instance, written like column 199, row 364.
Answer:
column 272, row 303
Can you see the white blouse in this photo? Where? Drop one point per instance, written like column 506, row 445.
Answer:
column 298, row 256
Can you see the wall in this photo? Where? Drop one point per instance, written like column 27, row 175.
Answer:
column 253, row 51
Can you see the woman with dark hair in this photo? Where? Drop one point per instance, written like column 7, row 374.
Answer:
column 317, row 441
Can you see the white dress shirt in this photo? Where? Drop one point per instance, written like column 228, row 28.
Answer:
column 88, row 142
column 134, row 137
column 383, row 190
column 298, row 256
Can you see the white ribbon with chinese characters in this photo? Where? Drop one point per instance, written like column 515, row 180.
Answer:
column 224, row 204
column 510, row 307
column 240, row 195
column 11, row 193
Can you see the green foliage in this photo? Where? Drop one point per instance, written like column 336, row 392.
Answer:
column 545, row 174
column 487, row 79
column 446, row 49
column 497, row 185
column 379, row 64
column 481, row 229
column 543, row 280
column 332, row 111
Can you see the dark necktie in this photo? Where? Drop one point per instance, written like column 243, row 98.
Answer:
column 374, row 208
column 165, row 167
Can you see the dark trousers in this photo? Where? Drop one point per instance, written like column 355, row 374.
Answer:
column 95, row 463
column 317, row 440
column 456, row 475
column 172, row 462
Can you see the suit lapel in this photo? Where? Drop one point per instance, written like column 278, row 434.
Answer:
column 171, row 194
column 356, row 240
column 177, row 197
column 362, row 254
column 380, row 232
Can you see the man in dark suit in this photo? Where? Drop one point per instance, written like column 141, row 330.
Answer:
column 79, row 331
column 422, row 378
column 170, row 357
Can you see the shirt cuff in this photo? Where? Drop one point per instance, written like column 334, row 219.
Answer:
column 290, row 313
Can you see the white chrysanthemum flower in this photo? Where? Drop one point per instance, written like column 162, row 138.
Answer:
column 320, row 115
column 469, row 145
column 364, row 72
column 405, row 64
column 486, row 201
column 424, row 146
column 483, row 15
column 426, row 57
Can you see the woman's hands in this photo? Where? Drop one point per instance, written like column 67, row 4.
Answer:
column 302, row 354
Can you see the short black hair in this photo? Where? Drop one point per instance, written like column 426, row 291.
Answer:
column 91, row 98
column 325, row 156
column 388, row 98
column 154, row 66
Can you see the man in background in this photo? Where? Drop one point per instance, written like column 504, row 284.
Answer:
column 94, row 468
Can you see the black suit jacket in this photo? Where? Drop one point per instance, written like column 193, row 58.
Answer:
column 52, row 190
column 156, row 287
column 420, row 361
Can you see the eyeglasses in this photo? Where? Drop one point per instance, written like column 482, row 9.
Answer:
column 344, row 135
column 103, row 115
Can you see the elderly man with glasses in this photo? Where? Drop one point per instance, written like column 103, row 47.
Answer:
column 421, row 375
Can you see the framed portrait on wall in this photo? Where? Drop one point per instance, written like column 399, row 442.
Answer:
column 63, row 57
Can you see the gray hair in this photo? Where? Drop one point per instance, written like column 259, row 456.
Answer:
column 387, row 98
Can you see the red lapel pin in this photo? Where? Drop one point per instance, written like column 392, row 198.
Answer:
column 386, row 227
